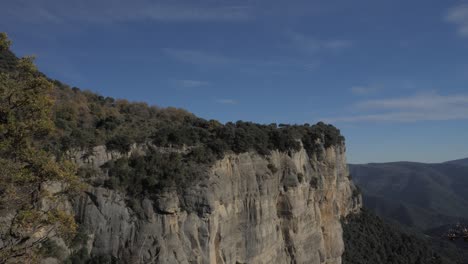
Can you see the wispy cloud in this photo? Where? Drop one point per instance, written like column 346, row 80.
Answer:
column 313, row 45
column 226, row 101
column 365, row 90
column 427, row 101
column 190, row 83
column 422, row 107
column 198, row 57
column 313, row 65
column 212, row 59
column 108, row 11
column 459, row 16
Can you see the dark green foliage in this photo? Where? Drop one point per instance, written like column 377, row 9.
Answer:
column 79, row 257
column 80, row 254
column 8, row 60
column 88, row 172
column 135, row 205
column 356, row 191
column 149, row 174
column 120, row 143
column 246, row 136
column 80, row 239
column 85, row 119
column 49, row 248
column 368, row 240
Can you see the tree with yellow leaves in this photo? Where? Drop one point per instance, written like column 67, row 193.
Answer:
column 31, row 213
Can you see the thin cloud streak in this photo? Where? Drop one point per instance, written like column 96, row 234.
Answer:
column 427, row 107
column 418, row 102
column 459, row 16
column 109, row 11
column 190, row 83
column 226, row 101
column 313, row 45
column 364, row 90
column 198, row 57
column 211, row 59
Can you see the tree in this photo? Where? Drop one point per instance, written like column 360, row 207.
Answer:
column 4, row 41
column 27, row 170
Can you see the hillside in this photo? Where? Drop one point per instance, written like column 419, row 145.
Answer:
column 415, row 194
column 370, row 240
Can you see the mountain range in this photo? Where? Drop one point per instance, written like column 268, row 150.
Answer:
column 418, row 195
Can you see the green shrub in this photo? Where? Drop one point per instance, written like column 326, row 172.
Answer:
column 119, row 143
column 79, row 257
column 49, row 248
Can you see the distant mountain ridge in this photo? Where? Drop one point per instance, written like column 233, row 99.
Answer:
column 419, row 195
column 463, row 162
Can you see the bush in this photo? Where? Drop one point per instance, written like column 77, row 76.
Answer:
column 86, row 119
column 79, row 257
column 119, row 143
column 155, row 171
column 49, row 248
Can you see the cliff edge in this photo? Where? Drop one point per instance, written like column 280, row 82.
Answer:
column 280, row 208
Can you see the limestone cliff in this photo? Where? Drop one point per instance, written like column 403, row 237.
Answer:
column 283, row 208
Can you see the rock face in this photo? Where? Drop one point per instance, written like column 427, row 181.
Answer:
column 284, row 208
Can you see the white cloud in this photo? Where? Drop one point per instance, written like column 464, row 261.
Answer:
column 198, row 57
column 459, row 16
column 313, row 45
column 190, row 83
column 226, row 101
column 313, row 65
column 423, row 107
column 364, row 90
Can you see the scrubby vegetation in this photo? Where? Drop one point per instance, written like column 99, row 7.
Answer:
column 195, row 144
column 150, row 173
column 369, row 240
column 85, row 119
column 8, row 60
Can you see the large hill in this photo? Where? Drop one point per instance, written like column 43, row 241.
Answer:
column 415, row 194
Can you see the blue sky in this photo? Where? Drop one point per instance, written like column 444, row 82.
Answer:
column 392, row 75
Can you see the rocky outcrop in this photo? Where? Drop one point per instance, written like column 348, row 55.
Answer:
column 284, row 208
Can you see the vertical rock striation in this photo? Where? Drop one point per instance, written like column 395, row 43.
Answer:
column 284, row 208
